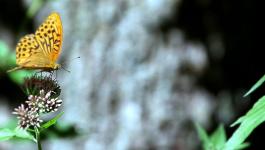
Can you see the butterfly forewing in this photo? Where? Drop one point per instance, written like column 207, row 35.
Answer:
column 49, row 37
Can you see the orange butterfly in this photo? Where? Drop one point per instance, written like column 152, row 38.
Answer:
column 41, row 50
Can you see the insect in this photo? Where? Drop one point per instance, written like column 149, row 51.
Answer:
column 41, row 50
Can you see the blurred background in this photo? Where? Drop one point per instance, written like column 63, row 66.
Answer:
column 148, row 70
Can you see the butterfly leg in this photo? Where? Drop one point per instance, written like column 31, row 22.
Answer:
column 39, row 72
column 14, row 69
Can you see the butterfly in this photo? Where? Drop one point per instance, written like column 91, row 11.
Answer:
column 41, row 50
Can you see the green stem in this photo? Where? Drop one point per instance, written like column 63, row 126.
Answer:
column 38, row 138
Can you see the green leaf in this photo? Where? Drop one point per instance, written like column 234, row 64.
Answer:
column 216, row 141
column 218, row 138
column 238, row 121
column 21, row 133
column 254, row 117
column 243, row 146
column 52, row 121
column 203, row 136
column 6, row 134
column 255, row 86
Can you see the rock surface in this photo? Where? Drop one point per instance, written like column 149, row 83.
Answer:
column 134, row 86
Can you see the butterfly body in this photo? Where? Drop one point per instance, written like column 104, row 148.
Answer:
column 41, row 50
column 47, row 68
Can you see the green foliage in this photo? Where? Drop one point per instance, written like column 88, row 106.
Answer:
column 218, row 138
column 18, row 76
column 6, row 57
column 254, row 117
column 215, row 141
column 52, row 121
column 247, row 123
column 256, row 85
column 20, row 133
column 34, row 8
column 4, row 52
column 6, row 134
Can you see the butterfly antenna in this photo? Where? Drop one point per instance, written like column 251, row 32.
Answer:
column 64, row 62
column 65, row 69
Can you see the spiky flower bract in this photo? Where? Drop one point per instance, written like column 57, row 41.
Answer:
column 37, row 82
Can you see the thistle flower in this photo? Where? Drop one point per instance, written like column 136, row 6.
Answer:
column 51, row 104
column 27, row 117
column 43, row 103
column 34, row 103
column 43, row 93
column 35, row 83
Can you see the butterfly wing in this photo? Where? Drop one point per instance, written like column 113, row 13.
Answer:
column 29, row 54
column 40, row 51
column 49, row 37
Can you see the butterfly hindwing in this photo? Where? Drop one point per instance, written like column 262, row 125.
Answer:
column 28, row 52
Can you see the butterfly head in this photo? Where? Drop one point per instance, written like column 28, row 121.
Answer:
column 56, row 66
